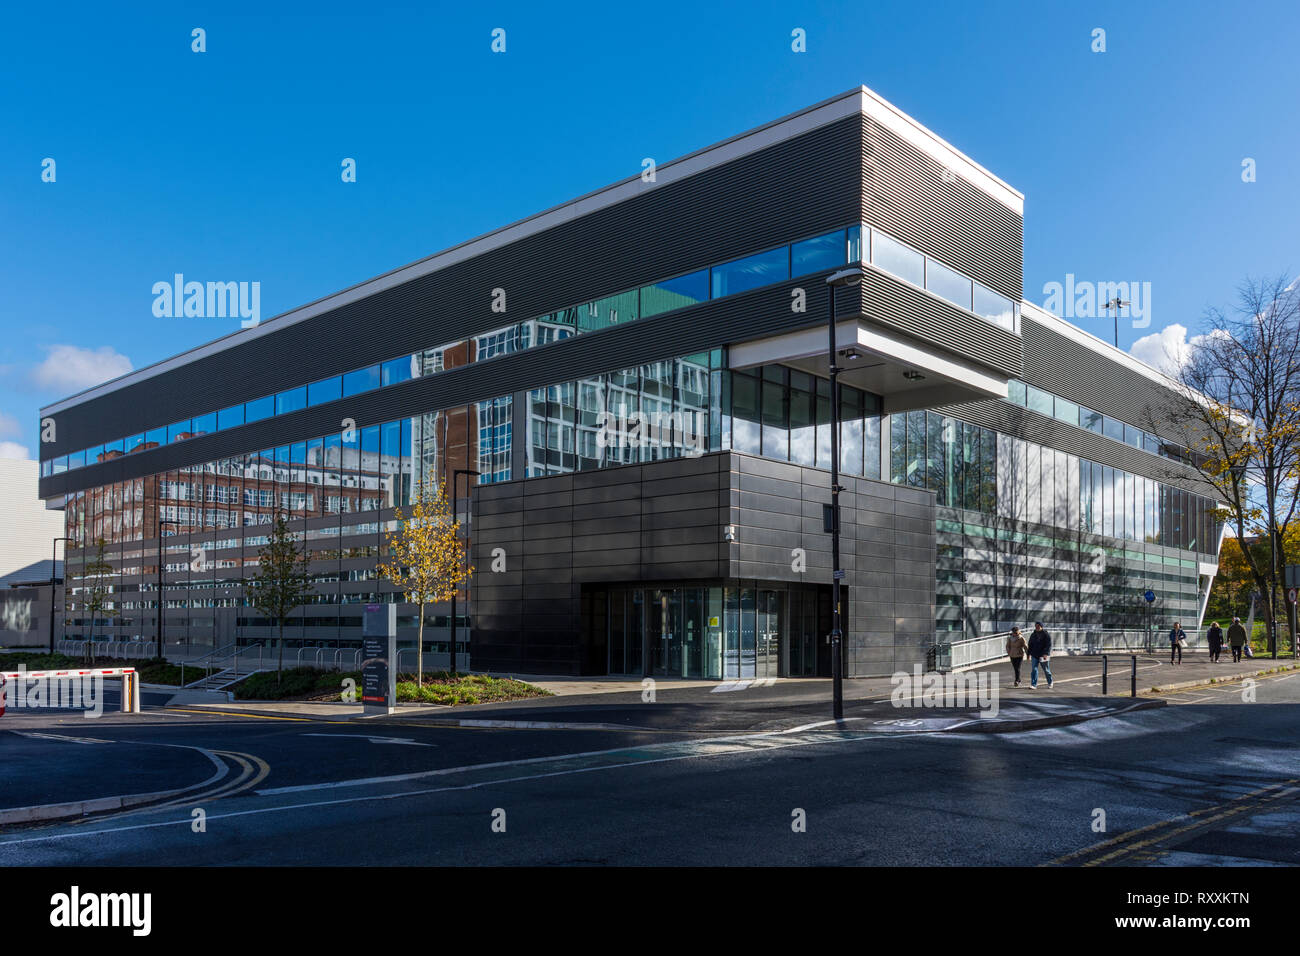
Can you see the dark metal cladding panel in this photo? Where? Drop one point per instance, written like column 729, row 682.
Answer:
column 801, row 187
column 907, row 196
column 921, row 315
column 1031, row 426
column 708, row 325
column 1075, row 371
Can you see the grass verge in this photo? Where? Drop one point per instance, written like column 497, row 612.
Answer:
column 309, row 684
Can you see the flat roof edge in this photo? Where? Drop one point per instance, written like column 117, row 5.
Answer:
column 859, row 99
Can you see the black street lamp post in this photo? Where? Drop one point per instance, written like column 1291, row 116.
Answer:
column 844, row 277
column 54, row 564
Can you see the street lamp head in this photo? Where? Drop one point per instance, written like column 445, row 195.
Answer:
column 850, row 276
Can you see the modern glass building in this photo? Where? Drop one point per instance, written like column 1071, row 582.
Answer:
column 640, row 379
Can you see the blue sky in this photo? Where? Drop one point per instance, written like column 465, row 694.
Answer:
column 225, row 165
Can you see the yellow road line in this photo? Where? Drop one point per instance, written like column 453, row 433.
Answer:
column 1199, row 819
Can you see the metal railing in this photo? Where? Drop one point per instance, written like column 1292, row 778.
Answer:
column 1066, row 641
column 110, row 650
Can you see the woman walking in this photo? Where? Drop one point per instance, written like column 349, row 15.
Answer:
column 1016, row 648
column 1215, row 638
column 1177, row 641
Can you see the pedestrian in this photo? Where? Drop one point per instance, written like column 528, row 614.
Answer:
column 1236, row 639
column 1177, row 641
column 1016, row 648
column 1040, row 652
column 1215, row 638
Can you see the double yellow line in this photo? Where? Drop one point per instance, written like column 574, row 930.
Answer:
column 1128, row 847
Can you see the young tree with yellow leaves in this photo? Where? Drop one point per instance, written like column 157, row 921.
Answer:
column 426, row 557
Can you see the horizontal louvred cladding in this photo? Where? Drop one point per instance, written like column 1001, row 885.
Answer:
column 800, row 187
column 705, row 326
column 907, row 195
column 1073, row 370
column 899, row 306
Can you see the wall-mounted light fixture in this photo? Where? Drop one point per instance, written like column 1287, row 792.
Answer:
column 912, row 375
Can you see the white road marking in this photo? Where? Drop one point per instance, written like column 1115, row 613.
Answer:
column 73, row 740
column 376, row 740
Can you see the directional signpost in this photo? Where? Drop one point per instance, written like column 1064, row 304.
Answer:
column 379, row 659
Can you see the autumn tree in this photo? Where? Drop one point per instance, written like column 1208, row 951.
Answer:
column 99, row 593
column 281, row 584
column 426, row 558
column 1237, row 409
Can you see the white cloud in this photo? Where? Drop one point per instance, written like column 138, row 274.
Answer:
column 1169, row 349
column 11, row 449
column 72, row 368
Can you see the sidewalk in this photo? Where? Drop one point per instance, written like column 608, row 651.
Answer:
column 693, row 706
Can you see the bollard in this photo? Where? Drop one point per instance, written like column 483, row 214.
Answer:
column 1133, row 676
column 1104, row 661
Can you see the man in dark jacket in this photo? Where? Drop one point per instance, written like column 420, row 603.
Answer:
column 1040, row 651
column 1236, row 638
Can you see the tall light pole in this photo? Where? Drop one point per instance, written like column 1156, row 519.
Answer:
column 455, row 487
column 54, row 564
column 1116, row 303
column 844, row 277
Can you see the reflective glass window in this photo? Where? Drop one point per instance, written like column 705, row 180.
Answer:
column 178, row 432
column 760, row 269
column 1038, row 400
column 291, row 400
column 326, row 390
column 259, row 408
column 77, row 459
column 1113, row 429
column 230, row 417
column 997, row 309
column 675, row 293
column 744, row 413
column 855, row 244
column 205, row 424
column 897, row 259
column 948, row 284
column 1066, row 410
column 1090, row 420
column 611, row 310
column 362, row 380
column 1017, row 392
column 817, row 254
column 396, row 370
column 1133, row 436
column 134, row 442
